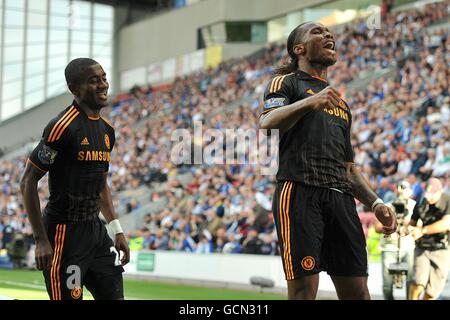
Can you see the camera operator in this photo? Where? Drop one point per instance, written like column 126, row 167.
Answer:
column 398, row 247
column 432, row 254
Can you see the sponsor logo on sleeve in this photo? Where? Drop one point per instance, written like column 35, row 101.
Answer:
column 47, row 155
column 274, row 102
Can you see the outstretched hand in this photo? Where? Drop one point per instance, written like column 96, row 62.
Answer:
column 387, row 218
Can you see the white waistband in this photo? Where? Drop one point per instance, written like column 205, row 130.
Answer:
column 336, row 190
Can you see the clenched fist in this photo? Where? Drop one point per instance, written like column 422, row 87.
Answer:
column 327, row 98
column 387, row 218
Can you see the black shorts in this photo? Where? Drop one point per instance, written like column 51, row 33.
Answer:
column 83, row 255
column 318, row 230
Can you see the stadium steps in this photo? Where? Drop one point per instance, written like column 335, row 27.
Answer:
column 367, row 77
column 135, row 219
column 143, row 193
column 139, row 194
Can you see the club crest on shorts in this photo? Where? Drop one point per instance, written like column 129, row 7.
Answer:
column 76, row 292
column 308, row 263
column 107, row 141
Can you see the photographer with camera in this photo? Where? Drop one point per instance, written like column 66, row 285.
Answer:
column 397, row 250
column 432, row 253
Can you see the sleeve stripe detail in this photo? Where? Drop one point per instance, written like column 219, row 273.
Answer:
column 57, row 125
column 276, row 83
column 281, row 81
column 36, row 165
column 67, row 124
column 272, row 84
column 61, row 125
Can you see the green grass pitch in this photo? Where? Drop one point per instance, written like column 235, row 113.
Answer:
column 29, row 285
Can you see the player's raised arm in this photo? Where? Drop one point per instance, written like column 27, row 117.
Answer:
column 107, row 209
column 28, row 187
column 277, row 115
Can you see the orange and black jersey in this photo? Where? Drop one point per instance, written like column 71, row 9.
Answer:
column 75, row 149
column 314, row 151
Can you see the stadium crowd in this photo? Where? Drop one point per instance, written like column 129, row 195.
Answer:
column 400, row 131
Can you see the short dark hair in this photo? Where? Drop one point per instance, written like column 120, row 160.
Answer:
column 76, row 68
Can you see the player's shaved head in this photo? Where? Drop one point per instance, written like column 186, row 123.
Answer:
column 76, row 68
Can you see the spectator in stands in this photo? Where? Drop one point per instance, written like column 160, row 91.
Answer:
column 269, row 246
column 204, row 244
column 404, row 165
column 160, row 241
column 385, row 191
column 416, row 187
column 186, row 243
column 427, row 169
column 252, row 243
column 233, row 245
